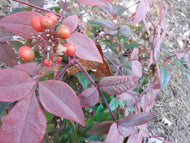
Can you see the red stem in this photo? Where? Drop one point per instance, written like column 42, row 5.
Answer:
column 31, row 5
column 103, row 98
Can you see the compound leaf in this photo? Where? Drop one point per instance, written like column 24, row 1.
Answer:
column 24, row 123
column 136, row 120
column 5, row 35
column 86, row 48
column 136, row 68
column 31, row 68
column 114, row 85
column 89, row 97
column 14, row 84
column 141, row 11
column 7, row 55
column 100, row 128
column 59, row 99
column 19, row 23
column 71, row 22
column 114, row 135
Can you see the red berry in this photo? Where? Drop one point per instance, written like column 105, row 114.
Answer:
column 26, row 53
column 48, row 63
column 71, row 49
column 59, row 59
column 46, row 22
column 36, row 25
column 63, row 32
column 52, row 16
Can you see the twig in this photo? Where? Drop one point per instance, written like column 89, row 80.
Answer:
column 31, row 5
column 103, row 98
column 98, row 37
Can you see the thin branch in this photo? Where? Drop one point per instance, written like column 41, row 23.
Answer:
column 37, row 7
column 103, row 98
column 115, row 27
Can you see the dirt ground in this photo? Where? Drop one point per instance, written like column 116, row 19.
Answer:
column 173, row 122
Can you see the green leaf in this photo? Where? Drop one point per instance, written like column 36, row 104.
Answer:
column 165, row 77
column 63, row 139
column 125, row 39
column 131, row 108
column 118, row 9
column 131, row 46
column 3, row 107
column 94, row 138
column 99, row 113
column 83, row 80
column 104, row 23
column 115, row 103
column 121, row 103
column 50, row 127
column 49, row 116
column 144, row 80
column 89, row 121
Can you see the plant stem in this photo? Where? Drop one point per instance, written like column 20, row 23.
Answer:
column 103, row 98
column 98, row 37
column 31, row 5
column 107, row 104
column 62, row 72
column 63, row 9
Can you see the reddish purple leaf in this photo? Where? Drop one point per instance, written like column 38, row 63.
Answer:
column 134, row 54
column 5, row 35
column 129, row 98
column 144, row 133
column 115, row 85
column 147, row 102
column 7, row 55
column 93, row 2
column 136, row 68
column 59, row 99
column 25, row 123
column 86, row 48
column 114, row 136
column 135, row 138
column 89, row 97
column 157, row 43
column 71, row 22
column 161, row 30
column 160, row 8
column 30, row 68
column 147, row 27
column 19, row 23
column 14, row 84
column 33, row 69
column 135, row 120
column 141, row 11
column 126, row 131
column 101, row 128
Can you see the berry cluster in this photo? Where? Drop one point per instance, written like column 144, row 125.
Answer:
column 51, row 40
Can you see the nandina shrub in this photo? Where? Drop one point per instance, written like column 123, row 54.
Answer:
column 42, row 102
